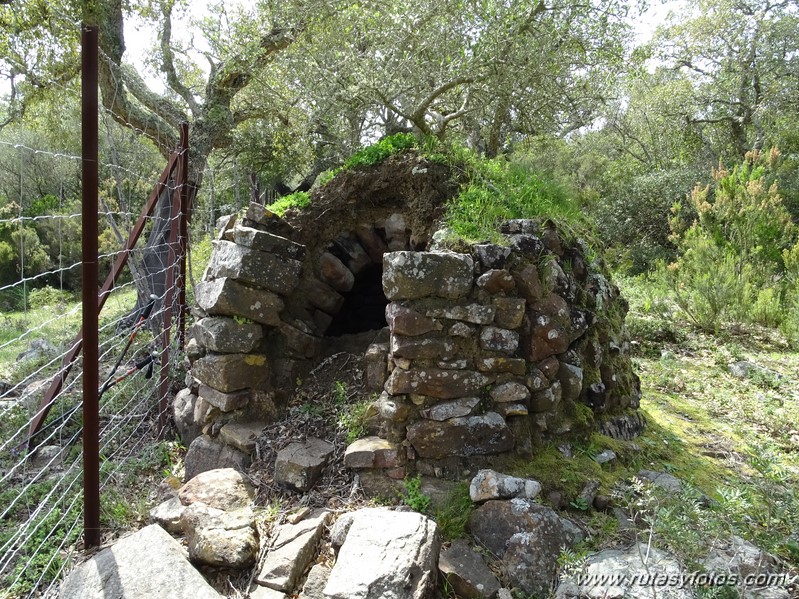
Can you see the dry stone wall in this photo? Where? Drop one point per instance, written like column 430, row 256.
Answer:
column 492, row 349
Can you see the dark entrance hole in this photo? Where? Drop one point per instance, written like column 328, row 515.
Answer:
column 364, row 306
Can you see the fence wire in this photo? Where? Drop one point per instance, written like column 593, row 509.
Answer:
column 41, row 477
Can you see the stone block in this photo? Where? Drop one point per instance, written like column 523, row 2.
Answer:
column 466, row 572
column 474, row 313
column 499, row 340
column 225, row 402
column 148, row 563
column 300, row 465
column 260, row 269
column 268, row 242
column 242, row 435
column 510, row 392
column 225, row 335
column 451, row 409
column 509, row 312
column 334, row 272
column 442, row 384
column 467, row 436
column 376, row 366
column 413, row 275
column 373, row 452
column 232, row 372
column 517, row 366
column 206, row 454
column 229, row 297
column 408, row 322
column 422, row 348
column 496, row 281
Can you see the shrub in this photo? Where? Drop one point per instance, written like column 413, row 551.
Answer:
column 737, row 258
column 298, row 200
column 48, row 296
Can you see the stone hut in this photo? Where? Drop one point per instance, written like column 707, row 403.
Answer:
column 488, row 348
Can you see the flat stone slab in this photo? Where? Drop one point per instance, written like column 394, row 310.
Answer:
column 229, row 297
column 206, row 454
column 466, row 572
column 385, row 555
column 637, row 563
column 224, row 489
column 486, row 434
column 373, row 452
column 242, row 435
column 299, row 465
column 293, row 548
column 148, row 563
column 413, row 275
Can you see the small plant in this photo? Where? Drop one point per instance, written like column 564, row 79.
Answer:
column 580, row 503
column 378, row 152
column 414, row 498
column 297, row 200
column 454, row 513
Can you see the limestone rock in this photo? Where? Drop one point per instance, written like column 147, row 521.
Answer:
column 224, row 540
column 510, row 392
column 571, row 382
column 667, row 482
column 371, row 242
column 293, row 547
column 262, row 218
column 546, row 400
column 206, row 454
column 183, row 412
column 466, row 572
column 489, row 484
column 225, row 402
column 321, row 296
column 496, row 281
column 509, row 312
column 639, row 563
column 528, row 537
column 517, row 366
column 232, row 372
column 148, row 563
column 396, row 232
column 528, row 283
column 299, row 465
column 548, row 338
column 168, row 515
column 422, row 348
column 260, row 269
column 467, row 436
column 333, row 272
column 474, row 313
column 373, row 452
column 229, row 297
column 268, row 242
column 242, row 435
column 386, row 555
column 500, row 340
column 376, row 366
column 443, row 384
column 490, row 255
column 315, row 582
column 605, row 456
column 450, row 409
column 408, row 322
column 413, row 275
column 740, row 557
column 461, row 329
column 224, row 489
column 225, row 335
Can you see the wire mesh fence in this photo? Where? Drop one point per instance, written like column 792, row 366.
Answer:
column 41, row 455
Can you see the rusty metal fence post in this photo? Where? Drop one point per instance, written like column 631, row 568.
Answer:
column 91, row 377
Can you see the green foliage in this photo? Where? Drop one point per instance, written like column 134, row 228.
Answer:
column 48, row 296
column 392, row 144
column 735, row 259
column 294, row 201
column 453, row 515
column 414, row 498
column 498, row 190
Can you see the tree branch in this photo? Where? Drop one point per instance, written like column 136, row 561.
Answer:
column 168, row 63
